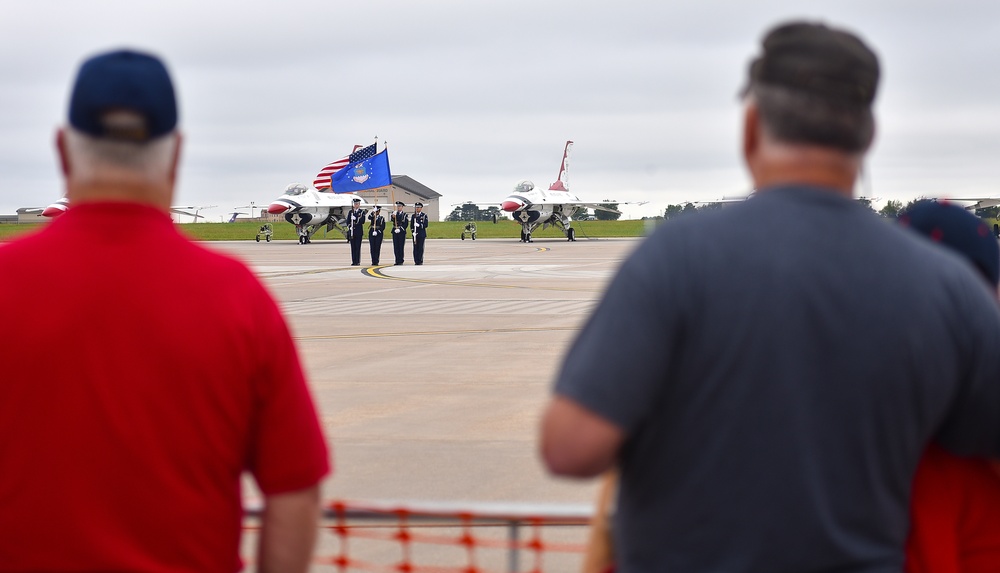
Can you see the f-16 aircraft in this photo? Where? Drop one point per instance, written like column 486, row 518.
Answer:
column 555, row 207
column 972, row 203
column 62, row 205
column 309, row 209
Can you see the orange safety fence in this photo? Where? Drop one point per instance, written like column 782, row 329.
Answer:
column 448, row 537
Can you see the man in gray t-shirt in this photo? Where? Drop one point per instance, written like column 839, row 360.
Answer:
column 767, row 376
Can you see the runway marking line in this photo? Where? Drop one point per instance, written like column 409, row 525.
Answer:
column 310, row 272
column 366, row 269
column 438, row 333
column 376, row 272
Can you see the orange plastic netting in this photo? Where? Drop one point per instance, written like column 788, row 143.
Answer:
column 406, row 539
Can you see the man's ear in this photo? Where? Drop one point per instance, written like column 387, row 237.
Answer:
column 176, row 161
column 64, row 164
column 751, row 132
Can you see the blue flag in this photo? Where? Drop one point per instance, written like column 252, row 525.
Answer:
column 368, row 173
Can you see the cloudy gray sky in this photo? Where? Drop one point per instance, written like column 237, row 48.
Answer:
column 473, row 96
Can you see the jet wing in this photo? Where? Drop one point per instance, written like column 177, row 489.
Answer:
column 586, row 205
column 189, row 211
column 978, row 202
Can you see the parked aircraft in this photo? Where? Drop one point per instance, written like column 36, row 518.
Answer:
column 555, row 207
column 309, row 209
column 250, row 213
column 62, row 205
column 728, row 200
column 972, row 203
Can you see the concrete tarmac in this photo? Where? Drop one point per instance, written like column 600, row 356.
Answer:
column 430, row 380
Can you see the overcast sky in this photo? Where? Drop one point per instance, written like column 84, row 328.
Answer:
column 473, row 96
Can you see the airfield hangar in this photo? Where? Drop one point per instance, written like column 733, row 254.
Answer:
column 408, row 190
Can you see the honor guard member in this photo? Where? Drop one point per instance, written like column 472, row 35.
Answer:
column 400, row 221
column 356, row 231
column 419, row 225
column 375, row 233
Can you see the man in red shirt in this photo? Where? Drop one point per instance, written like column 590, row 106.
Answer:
column 143, row 374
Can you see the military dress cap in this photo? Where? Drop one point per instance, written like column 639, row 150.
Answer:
column 378, row 207
column 356, row 200
column 123, row 80
column 959, row 230
column 418, row 204
column 809, row 57
column 400, row 203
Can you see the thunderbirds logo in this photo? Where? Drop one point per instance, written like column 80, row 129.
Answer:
column 360, row 175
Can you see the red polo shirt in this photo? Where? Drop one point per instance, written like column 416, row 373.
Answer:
column 141, row 376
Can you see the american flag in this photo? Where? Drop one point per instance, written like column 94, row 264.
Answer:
column 323, row 177
column 362, row 154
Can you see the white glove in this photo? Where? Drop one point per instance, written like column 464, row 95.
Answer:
column 396, row 230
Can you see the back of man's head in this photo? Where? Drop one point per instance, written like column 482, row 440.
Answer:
column 815, row 85
column 122, row 121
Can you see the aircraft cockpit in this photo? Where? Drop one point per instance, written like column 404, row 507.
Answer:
column 296, row 189
column 524, row 186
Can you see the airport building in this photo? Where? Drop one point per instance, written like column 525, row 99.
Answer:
column 408, row 190
column 28, row 215
column 404, row 188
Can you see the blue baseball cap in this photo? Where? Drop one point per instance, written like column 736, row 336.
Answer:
column 959, row 230
column 123, row 80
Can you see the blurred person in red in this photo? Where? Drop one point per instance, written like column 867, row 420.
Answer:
column 145, row 374
column 955, row 500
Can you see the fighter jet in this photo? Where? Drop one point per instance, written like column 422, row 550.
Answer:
column 62, row 205
column 972, row 203
column 555, row 207
column 309, row 209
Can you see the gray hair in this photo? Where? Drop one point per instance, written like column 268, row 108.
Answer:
column 793, row 116
column 114, row 160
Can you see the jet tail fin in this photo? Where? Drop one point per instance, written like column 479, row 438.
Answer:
column 562, row 182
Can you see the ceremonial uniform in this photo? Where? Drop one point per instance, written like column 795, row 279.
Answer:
column 375, row 233
column 419, row 225
column 355, row 232
column 400, row 220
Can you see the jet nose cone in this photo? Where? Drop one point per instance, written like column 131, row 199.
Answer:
column 510, row 206
column 277, row 208
column 52, row 211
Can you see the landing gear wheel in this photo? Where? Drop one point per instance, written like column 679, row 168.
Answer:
column 571, row 234
column 257, row 238
column 463, row 236
column 527, row 238
column 302, row 240
column 473, row 236
column 268, row 238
